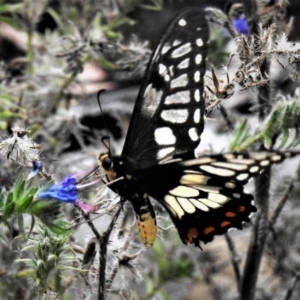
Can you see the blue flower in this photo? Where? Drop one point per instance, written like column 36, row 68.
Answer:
column 241, row 25
column 65, row 191
column 37, row 166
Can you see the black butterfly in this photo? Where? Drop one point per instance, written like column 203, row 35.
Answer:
column 204, row 196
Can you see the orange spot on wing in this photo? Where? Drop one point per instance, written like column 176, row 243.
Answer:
column 230, row 214
column 209, row 229
column 225, row 223
column 192, row 233
column 242, row 208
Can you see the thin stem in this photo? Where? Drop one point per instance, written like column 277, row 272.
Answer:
column 258, row 239
column 290, row 291
column 103, row 256
column 281, row 203
column 235, row 259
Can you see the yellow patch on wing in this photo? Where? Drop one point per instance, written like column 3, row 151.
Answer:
column 184, row 191
column 190, row 179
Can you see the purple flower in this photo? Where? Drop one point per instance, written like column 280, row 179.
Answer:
column 241, row 25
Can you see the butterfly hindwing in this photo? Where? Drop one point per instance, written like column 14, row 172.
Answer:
column 205, row 196
column 168, row 115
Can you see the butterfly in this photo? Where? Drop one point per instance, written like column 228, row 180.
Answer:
column 204, row 196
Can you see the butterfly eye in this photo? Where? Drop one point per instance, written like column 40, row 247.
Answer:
column 105, row 162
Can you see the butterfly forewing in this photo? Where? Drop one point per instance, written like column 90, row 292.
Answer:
column 168, row 115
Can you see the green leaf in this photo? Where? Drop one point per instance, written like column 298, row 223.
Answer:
column 31, row 228
column 285, row 137
column 18, row 188
column 24, row 202
column 7, row 8
column 9, row 206
column 103, row 63
column 241, row 134
column 56, row 18
column 20, row 222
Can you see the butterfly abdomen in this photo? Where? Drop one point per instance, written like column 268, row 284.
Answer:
column 146, row 220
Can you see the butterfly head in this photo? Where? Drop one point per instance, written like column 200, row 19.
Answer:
column 106, row 163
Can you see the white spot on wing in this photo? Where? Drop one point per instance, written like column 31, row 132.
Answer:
column 197, row 95
column 276, row 158
column 209, row 203
column 174, row 205
column 242, row 176
column 199, row 42
column 199, row 205
column 165, row 152
column 230, row 185
column 182, row 97
column 254, row 169
column 228, row 165
column 164, row 136
column 182, row 50
column 217, row 198
column 152, row 99
column 182, row 22
column 184, row 64
column 264, row 163
column 197, row 116
column 186, row 205
column 198, row 161
column 176, row 42
column 162, row 69
column 197, row 76
column 175, row 115
column 217, row 171
column 180, row 81
column 171, row 69
column 184, row 191
column 165, row 49
column 193, row 134
column 198, row 59
column 167, row 77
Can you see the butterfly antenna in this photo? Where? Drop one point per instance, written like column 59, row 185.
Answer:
column 107, row 145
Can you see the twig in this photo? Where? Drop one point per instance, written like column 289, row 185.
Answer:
column 235, row 259
column 115, row 268
column 103, row 242
column 226, row 118
column 290, row 291
column 281, row 203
